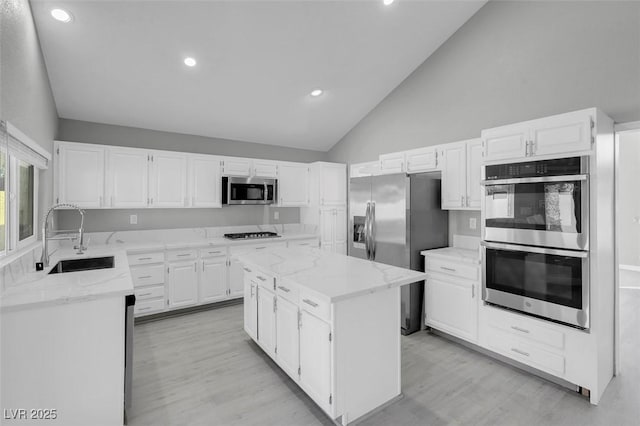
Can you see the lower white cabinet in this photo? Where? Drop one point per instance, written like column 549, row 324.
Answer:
column 250, row 307
column 267, row 320
column 182, row 280
column 451, row 305
column 213, row 279
column 287, row 337
column 315, row 358
column 235, row 278
column 333, row 229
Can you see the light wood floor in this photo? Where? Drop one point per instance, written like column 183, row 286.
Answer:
column 201, row 369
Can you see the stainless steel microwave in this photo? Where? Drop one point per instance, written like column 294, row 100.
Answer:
column 249, row 190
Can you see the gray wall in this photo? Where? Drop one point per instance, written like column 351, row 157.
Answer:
column 629, row 199
column 26, row 100
column 118, row 220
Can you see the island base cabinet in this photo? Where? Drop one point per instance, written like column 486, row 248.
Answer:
column 267, row 320
column 250, row 307
column 287, row 337
column 315, row 359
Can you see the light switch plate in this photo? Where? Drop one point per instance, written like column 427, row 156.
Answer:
column 472, row 223
column 276, row 215
column 133, row 219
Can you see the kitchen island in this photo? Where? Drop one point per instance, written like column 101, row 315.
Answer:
column 331, row 322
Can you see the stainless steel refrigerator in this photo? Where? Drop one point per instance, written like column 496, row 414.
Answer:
column 391, row 219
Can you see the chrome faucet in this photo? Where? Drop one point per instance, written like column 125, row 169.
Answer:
column 45, row 233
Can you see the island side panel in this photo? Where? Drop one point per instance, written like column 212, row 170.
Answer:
column 367, row 349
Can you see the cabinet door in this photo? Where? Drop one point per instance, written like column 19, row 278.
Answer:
column 327, row 222
column 127, row 177
column 392, row 163
column 205, row 181
column 505, row 142
column 561, row 134
column 267, row 320
column 183, row 284
column 169, row 180
column 263, row 168
column 333, row 185
column 293, row 185
column 340, row 230
column 213, row 279
column 81, row 175
column 452, row 306
column 474, row 163
column 287, row 339
column 422, row 159
column 364, row 169
column 236, row 167
column 250, row 307
column 454, row 173
column 315, row 358
column 236, row 274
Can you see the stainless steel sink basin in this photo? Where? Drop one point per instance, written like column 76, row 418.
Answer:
column 86, row 264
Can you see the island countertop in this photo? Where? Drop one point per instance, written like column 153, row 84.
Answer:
column 334, row 276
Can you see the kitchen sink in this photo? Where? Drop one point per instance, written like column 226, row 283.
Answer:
column 86, row 264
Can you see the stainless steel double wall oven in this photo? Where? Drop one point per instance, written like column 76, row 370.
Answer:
column 535, row 231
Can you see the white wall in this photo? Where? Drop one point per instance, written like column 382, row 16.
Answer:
column 628, row 206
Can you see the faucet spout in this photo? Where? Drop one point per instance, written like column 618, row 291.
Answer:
column 44, row 258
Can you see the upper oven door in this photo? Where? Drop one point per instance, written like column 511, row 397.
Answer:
column 544, row 211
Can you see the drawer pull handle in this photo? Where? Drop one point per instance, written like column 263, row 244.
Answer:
column 247, row 269
column 518, row 351
column 145, row 294
column 521, row 330
column 214, row 252
column 260, row 248
column 303, row 244
column 447, row 269
column 283, row 288
column 144, row 309
column 183, row 254
column 309, row 302
column 261, row 278
column 144, row 258
column 144, row 277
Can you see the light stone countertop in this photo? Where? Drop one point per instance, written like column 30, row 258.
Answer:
column 455, row 254
column 36, row 289
column 334, row 276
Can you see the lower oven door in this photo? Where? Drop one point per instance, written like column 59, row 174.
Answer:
column 549, row 283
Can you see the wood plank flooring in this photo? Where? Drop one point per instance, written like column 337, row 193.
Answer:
column 202, row 369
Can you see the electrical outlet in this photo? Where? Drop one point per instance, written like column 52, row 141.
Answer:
column 472, row 223
column 133, row 219
column 276, row 215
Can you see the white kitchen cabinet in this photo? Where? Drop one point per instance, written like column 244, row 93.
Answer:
column 267, row 320
column 250, row 307
column 287, row 337
column 461, row 175
column 80, row 177
column 182, row 281
column 127, row 177
column 213, row 279
column 293, row 184
column 235, row 278
column 168, row 179
column 370, row 168
column 425, row 159
column 236, row 167
column 505, row 142
column 264, row 168
column 332, row 179
column 315, row 358
column 392, row 163
column 333, row 229
column 451, row 305
column 204, row 181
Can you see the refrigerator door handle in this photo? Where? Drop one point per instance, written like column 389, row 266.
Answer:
column 366, row 230
column 372, row 230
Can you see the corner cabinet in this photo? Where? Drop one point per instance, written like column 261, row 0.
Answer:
column 80, row 174
column 461, row 174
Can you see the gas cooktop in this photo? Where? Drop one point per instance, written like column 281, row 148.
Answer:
column 251, row 235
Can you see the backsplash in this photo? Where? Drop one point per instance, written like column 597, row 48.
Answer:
column 459, row 224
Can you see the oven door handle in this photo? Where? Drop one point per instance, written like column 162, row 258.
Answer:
column 541, row 250
column 565, row 178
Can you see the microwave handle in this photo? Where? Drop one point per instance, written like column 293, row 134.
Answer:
column 266, row 192
column 541, row 250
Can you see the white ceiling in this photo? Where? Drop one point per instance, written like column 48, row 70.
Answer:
column 120, row 62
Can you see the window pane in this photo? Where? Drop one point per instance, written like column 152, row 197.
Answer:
column 25, row 209
column 3, row 211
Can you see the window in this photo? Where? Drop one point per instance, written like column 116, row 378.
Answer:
column 3, row 205
column 25, row 200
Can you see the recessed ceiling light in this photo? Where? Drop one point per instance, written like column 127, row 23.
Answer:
column 387, row 2
column 317, row 92
column 61, row 15
column 190, row 62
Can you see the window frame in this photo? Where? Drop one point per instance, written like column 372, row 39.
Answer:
column 14, row 204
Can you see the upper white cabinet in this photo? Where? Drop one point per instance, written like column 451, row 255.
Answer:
column 550, row 136
column 370, row 168
column 392, row 163
column 423, row 159
column 461, row 175
column 168, row 177
column 204, row 181
column 247, row 167
column 265, row 168
column 293, row 184
column 127, row 177
column 332, row 180
column 80, row 174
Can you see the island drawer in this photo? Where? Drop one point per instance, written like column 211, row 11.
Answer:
column 213, row 252
column 145, row 258
column 526, row 328
column 249, row 248
column 288, row 290
column 143, row 293
column 259, row 277
column 314, row 304
column 443, row 266
column 148, row 306
column 178, row 255
column 146, row 275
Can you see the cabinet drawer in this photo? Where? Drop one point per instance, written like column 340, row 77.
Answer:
column 213, row 252
column 179, row 255
column 144, row 293
column 314, row 242
column 312, row 303
column 145, row 275
column 248, row 248
column 145, row 258
column 516, row 348
column 148, row 307
column 457, row 269
column 526, row 328
column 288, row 290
